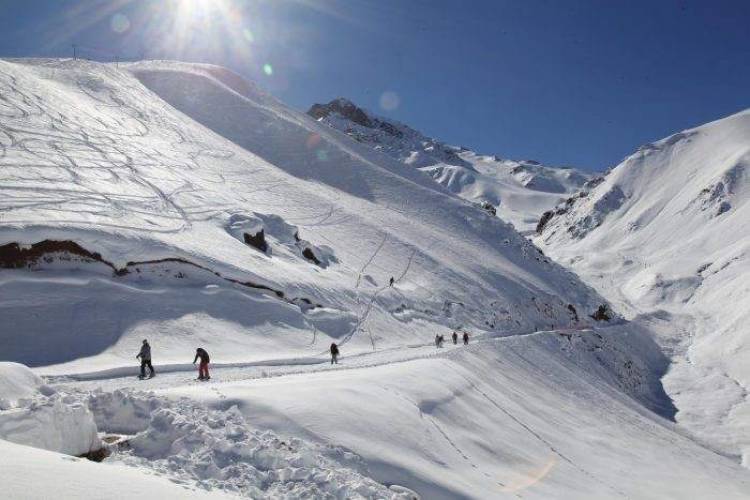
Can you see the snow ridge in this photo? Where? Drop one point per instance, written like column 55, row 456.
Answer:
column 665, row 235
column 517, row 191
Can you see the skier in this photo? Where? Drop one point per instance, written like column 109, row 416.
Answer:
column 466, row 338
column 391, row 282
column 145, row 356
column 455, row 338
column 203, row 366
column 334, row 353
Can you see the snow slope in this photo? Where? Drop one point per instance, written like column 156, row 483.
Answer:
column 561, row 416
column 666, row 235
column 518, row 191
column 154, row 204
column 32, row 473
column 179, row 203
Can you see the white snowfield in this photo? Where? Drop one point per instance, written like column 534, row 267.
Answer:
column 518, row 191
column 179, row 203
column 666, row 236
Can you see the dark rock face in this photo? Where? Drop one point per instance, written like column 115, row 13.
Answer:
column 602, row 313
column 488, row 207
column 546, row 217
column 309, row 255
column 15, row 256
column 257, row 240
column 573, row 312
column 345, row 108
column 353, row 113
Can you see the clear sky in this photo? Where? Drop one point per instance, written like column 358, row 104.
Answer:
column 565, row 82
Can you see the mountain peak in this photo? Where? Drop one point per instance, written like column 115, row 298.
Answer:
column 343, row 107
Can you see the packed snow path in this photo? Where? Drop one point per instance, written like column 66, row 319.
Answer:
column 170, row 376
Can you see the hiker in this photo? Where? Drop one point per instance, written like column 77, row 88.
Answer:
column 334, row 353
column 145, row 356
column 439, row 339
column 466, row 338
column 203, row 366
column 391, row 282
column 455, row 338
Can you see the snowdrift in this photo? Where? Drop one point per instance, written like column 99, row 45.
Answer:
column 33, row 414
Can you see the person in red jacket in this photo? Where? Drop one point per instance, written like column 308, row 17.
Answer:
column 203, row 366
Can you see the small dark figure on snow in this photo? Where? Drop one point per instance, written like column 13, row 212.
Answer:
column 466, row 338
column 455, row 338
column 392, row 281
column 203, row 366
column 439, row 339
column 145, row 356
column 334, row 353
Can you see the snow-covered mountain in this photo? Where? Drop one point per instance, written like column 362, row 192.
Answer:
column 666, row 235
column 518, row 191
column 181, row 204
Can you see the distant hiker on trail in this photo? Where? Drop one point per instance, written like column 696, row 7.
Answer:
column 439, row 339
column 145, row 356
column 203, row 366
column 466, row 338
column 455, row 338
column 334, row 353
column 391, row 282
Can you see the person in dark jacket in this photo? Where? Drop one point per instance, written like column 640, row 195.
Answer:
column 334, row 353
column 466, row 338
column 455, row 338
column 203, row 366
column 145, row 356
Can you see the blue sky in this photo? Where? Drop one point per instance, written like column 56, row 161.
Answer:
column 565, row 82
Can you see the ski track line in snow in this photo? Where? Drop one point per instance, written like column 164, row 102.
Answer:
column 447, row 438
column 540, row 438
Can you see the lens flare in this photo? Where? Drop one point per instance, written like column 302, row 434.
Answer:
column 313, row 140
column 389, row 100
column 119, row 23
column 268, row 69
column 248, row 35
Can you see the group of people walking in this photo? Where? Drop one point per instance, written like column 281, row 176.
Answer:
column 145, row 356
column 201, row 354
column 440, row 339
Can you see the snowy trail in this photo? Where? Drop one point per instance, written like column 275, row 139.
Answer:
column 182, row 375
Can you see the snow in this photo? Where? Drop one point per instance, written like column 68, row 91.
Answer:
column 431, row 420
column 134, row 197
column 217, row 449
column 34, row 414
column 519, row 191
column 666, row 236
column 17, row 382
column 31, row 473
